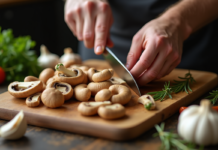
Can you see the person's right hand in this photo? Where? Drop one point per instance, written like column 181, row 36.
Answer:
column 90, row 21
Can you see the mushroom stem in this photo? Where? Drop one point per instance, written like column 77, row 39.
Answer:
column 147, row 101
column 99, row 103
column 60, row 67
column 25, row 84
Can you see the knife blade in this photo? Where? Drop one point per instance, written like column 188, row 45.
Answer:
column 121, row 70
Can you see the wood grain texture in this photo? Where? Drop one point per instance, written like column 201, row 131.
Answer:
column 136, row 121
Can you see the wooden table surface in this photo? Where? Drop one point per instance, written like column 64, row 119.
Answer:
column 37, row 138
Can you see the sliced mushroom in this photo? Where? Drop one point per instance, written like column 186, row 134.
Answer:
column 147, row 101
column 82, row 93
column 91, row 108
column 112, row 111
column 15, row 128
column 64, row 88
column 25, row 89
column 52, row 98
column 116, row 80
column 95, row 87
column 73, row 77
column 32, row 78
column 99, row 76
column 46, row 74
column 121, row 94
column 103, row 95
column 33, row 100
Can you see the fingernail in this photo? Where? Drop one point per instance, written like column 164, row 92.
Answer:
column 99, row 49
column 127, row 66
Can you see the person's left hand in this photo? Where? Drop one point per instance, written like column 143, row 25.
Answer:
column 156, row 50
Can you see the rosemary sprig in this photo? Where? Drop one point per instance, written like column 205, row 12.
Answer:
column 166, row 91
column 171, row 141
column 184, row 84
column 213, row 97
column 178, row 86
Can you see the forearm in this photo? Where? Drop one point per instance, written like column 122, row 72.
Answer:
column 192, row 14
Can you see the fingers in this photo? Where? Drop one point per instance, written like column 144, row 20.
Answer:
column 171, row 62
column 79, row 23
column 135, row 51
column 89, row 26
column 102, row 28
column 146, row 59
column 152, row 72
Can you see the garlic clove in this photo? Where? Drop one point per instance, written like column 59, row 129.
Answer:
column 15, row 128
column 47, row 59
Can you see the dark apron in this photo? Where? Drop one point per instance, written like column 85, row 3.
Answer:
column 200, row 50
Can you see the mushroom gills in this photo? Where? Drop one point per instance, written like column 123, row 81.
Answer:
column 62, row 88
column 21, row 86
column 34, row 98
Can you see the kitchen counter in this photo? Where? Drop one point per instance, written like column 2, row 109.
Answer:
column 37, row 138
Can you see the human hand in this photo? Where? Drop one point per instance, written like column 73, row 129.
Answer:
column 90, row 21
column 156, row 50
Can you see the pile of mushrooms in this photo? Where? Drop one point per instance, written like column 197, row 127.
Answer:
column 72, row 79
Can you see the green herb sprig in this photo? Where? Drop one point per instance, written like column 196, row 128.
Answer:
column 172, row 141
column 166, row 91
column 213, row 97
column 178, row 86
column 184, row 84
column 16, row 58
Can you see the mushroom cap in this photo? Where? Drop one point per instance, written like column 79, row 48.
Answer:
column 102, row 75
column 111, row 111
column 71, row 62
column 86, row 80
column 95, row 87
column 30, row 78
column 52, row 98
column 24, row 89
column 82, row 67
column 64, row 88
column 33, row 100
column 91, row 108
column 121, row 94
column 103, row 95
column 50, row 80
column 46, row 74
column 71, row 80
column 82, row 93
column 90, row 73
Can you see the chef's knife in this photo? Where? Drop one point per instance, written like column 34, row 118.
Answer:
column 121, row 70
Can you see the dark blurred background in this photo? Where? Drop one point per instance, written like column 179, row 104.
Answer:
column 43, row 20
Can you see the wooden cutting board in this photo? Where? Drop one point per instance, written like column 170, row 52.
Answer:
column 136, row 121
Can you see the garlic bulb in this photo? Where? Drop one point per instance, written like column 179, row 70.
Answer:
column 198, row 124
column 69, row 55
column 15, row 128
column 47, row 59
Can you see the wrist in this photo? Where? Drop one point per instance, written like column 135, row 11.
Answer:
column 179, row 22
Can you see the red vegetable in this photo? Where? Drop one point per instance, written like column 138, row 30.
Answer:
column 183, row 108
column 2, row 75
